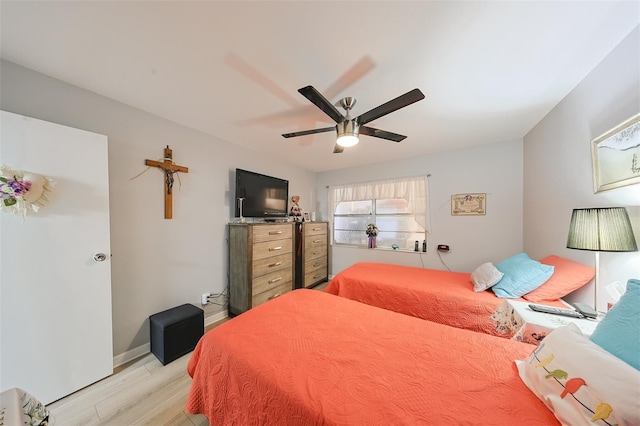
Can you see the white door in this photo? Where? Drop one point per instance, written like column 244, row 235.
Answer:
column 55, row 299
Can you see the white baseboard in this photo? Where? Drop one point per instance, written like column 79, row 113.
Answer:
column 142, row 350
column 216, row 317
column 134, row 353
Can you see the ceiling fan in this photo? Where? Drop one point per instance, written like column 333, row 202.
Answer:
column 348, row 129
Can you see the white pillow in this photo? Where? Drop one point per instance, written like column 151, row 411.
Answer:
column 580, row 382
column 485, row 276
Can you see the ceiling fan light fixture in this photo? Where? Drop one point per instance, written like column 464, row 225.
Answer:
column 348, row 129
column 348, row 133
column 347, row 141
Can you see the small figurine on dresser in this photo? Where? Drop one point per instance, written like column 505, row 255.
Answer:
column 296, row 211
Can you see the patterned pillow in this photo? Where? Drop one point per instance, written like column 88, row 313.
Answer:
column 580, row 382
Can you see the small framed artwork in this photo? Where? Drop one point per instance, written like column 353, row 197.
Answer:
column 616, row 156
column 468, row 204
column 307, row 217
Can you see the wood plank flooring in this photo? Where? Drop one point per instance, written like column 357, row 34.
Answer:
column 142, row 392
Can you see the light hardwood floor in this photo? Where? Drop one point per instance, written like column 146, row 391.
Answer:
column 142, row 392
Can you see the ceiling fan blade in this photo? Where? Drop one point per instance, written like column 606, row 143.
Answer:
column 383, row 134
column 353, row 74
column 337, row 149
column 393, row 105
column 309, row 132
column 321, row 102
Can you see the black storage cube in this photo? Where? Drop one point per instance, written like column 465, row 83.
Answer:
column 175, row 332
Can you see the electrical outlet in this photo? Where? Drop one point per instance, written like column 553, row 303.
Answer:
column 205, row 298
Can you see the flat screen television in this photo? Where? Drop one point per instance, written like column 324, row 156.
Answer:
column 264, row 196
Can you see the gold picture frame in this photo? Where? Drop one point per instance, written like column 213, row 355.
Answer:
column 615, row 156
column 468, row 204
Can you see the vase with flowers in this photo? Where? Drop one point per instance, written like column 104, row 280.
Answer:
column 372, row 233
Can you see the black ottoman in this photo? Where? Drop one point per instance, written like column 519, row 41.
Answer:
column 175, row 332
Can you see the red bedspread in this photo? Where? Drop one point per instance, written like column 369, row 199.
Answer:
column 310, row 358
column 439, row 296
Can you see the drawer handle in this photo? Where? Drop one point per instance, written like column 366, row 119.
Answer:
column 275, row 232
column 274, row 296
column 317, row 264
column 317, row 229
column 275, row 280
column 315, row 252
column 275, row 248
column 317, row 241
column 275, row 264
column 318, row 276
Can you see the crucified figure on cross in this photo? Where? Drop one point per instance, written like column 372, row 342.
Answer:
column 169, row 179
column 169, row 170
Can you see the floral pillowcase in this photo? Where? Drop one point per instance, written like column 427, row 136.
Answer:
column 580, row 382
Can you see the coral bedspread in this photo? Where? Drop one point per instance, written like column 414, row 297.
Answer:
column 431, row 294
column 311, row 358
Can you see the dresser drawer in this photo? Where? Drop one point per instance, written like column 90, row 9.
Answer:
column 271, row 294
column 313, row 277
column 316, row 252
column 315, row 270
column 272, row 232
column 315, row 241
column 272, row 248
column 271, row 281
column 315, row 229
column 315, row 264
column 272, row 264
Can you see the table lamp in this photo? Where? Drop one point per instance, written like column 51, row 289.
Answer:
column 601, row 229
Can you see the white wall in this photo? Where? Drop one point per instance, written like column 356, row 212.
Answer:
column 557, row 167
column 160, row 263
column 157, row 263
column 494, row 169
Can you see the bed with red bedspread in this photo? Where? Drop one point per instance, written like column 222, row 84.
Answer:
column 440, row 296
column 311, row 358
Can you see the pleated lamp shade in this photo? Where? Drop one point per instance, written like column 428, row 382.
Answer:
column 601, row 229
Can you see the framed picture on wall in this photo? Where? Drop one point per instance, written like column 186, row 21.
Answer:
column 616, row 156
column 468, row 204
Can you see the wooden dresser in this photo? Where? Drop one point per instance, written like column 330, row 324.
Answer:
column 261, row 263
column 312, row 253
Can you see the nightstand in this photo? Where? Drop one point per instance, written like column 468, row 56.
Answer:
column 526, row 325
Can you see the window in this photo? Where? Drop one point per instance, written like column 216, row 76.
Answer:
column 398, row 208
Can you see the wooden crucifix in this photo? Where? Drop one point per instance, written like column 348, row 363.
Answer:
column 169, row 169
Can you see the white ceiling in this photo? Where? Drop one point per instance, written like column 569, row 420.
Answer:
column 490, row 70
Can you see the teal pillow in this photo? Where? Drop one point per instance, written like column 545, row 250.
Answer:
column 521, row 275
column 619, row 331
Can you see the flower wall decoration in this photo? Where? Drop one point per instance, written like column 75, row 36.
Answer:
column 22, row 192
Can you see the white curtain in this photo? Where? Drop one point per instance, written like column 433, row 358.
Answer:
column 413, row 189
